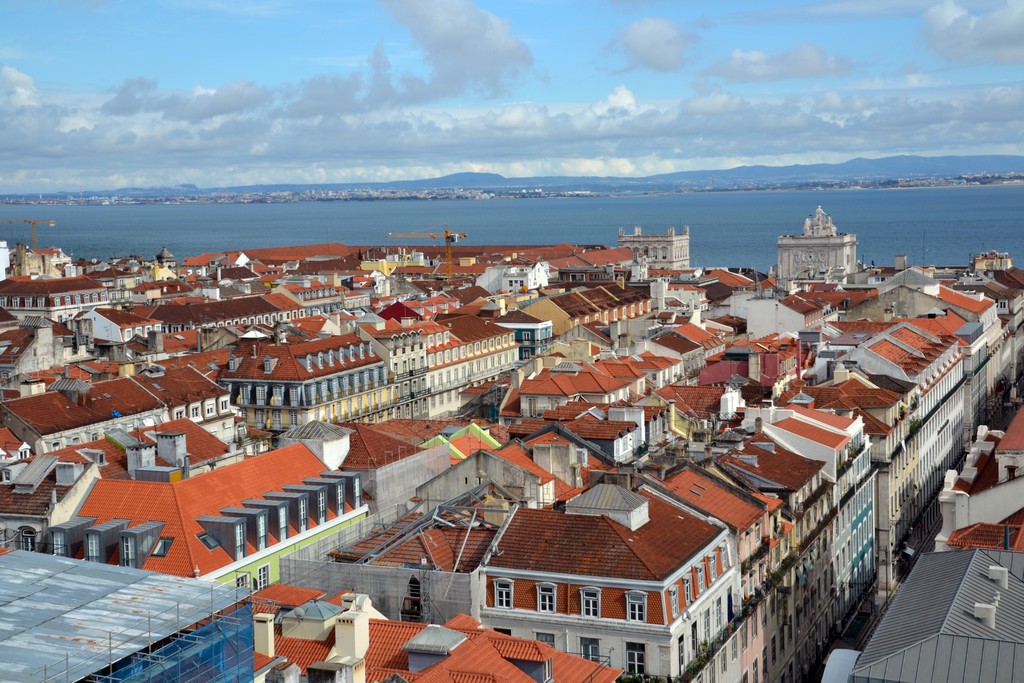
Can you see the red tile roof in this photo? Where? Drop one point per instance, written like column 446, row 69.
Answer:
column 712, row 497
column 179, row 504
column 652, row 552
column 371, row 446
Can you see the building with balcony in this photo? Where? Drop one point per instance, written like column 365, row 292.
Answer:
column 279, row 386
column 405, row 355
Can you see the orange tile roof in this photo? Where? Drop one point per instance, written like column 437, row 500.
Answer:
column 715, row 499
column 951, row 296
column 179, row 504
column 285, row 595
column 652, row 552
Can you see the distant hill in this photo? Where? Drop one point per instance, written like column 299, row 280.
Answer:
column 868, row 171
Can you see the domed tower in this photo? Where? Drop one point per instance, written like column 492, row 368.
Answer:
column 166, row 259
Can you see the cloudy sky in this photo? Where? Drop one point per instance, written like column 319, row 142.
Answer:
column 110, row 93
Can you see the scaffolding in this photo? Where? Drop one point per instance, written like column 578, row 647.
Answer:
column 218, row 651
column 412, row 591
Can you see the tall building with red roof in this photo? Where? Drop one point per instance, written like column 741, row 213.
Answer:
column 623, row 574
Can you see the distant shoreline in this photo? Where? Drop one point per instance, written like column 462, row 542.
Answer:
column 214, row 197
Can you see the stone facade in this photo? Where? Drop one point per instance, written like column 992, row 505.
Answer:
column 670, row 250
column 820, row 251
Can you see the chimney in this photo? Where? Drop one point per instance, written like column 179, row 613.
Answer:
column 900, row 262
column 263, row 634
column 758, row 425
column 140, row 455
column 155, row 342
column 352, row 629
column 171, row 447
column 707, row 451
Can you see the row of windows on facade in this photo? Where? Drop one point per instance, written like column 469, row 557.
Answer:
column 461, row 352
column 483, row 365
column 590, row 597
column 315, row 392
column 58, row 300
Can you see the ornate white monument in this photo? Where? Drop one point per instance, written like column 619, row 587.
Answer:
column 669, row 250
column 820, row 252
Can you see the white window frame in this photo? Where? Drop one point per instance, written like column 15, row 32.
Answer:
column 636, row 606
column 590, row 602
column 262, row 577
column 503, row 593
column 546, row 597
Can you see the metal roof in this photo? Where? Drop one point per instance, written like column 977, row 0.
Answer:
column 316, row 430
column 930, row 632
column 434, row 639
column 607, row 497
column 62, row 618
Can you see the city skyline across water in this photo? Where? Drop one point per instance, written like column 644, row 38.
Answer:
column 931, row 226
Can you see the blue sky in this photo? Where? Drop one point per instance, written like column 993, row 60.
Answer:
column 110, row 93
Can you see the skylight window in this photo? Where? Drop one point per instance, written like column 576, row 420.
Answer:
column 163, row 546
column 209, row 541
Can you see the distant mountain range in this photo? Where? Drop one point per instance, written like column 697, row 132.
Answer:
column 870, row 172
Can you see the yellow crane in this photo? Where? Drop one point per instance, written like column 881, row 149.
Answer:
column 35, row 241
column 449, row 236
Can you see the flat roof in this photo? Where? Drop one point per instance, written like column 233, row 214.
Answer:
column 62, row 618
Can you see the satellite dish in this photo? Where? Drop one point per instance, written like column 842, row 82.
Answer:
column 299, row 613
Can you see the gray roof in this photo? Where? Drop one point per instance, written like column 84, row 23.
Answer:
column 316, row 610
column 434, row 640
column 910, row 277
column 57, row 612
column 930, row 632
column 607, row 497
column 316, row 430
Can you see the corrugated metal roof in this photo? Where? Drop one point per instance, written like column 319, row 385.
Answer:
column 316, row 430
column 930, row 632
column 34, row 472
column 606, row 497
column 57, row 612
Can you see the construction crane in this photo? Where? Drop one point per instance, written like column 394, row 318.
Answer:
column 450, row 238
column 35, row 240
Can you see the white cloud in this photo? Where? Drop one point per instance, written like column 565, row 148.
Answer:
column 805, row 61
column 238, row 133
column 658, row 44
column 464, row 46
column 996, row 37
column 17, row 89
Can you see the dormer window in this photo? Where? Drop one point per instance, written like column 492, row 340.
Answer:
column 503, row 593
column 636, row 606
column 590, row 602
column 546, row 597
column 673, row 599
column 268, row 364
column 239, row 540
column 713, row 564
column 303, row 514
column 700, row 578
column 92, row 548
column 127, row 551
column 688, row 589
